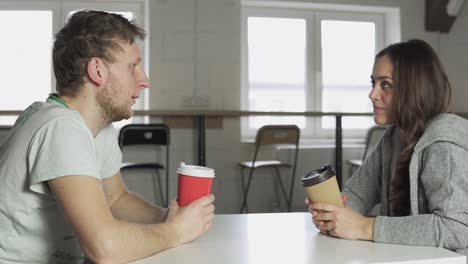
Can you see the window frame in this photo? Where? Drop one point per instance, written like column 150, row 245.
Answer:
column 60, row 10
column 378, row 20
column 314, row 13
column 248, row 133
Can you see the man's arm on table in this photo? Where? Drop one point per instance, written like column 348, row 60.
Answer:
column 128, row 206
column 106, row 239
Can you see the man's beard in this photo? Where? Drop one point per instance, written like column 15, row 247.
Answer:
column 111, row 110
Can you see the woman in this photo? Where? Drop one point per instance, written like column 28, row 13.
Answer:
column 417, row 176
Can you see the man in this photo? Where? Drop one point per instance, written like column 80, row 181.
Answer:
column 62, row 192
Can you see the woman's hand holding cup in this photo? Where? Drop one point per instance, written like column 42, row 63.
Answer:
column 341, row 222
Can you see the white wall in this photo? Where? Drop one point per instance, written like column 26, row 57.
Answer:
column 195, row 51
column 209, row 54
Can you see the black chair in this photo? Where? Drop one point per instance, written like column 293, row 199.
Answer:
column 271, row 135
column 148, row 134
column 373, row 136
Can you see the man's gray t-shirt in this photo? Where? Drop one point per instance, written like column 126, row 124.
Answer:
column 47, row 141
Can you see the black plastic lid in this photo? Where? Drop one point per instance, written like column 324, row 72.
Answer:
column 318, row 176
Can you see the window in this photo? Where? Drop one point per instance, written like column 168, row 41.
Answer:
column 299, row 57
column 32, row 25
column 346, row 71
column 28, row 55
column 276, row 64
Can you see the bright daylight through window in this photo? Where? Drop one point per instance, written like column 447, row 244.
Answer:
column 26, row 71
column 346, row 71
column 276, row 68
column 308, row 60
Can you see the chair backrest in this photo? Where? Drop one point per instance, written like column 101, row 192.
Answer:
column 143, row 134
column 150, row 135
column 373, row 136
column 277, row 134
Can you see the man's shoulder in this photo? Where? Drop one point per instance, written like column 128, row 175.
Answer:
column 42, row 113
column 51, row 110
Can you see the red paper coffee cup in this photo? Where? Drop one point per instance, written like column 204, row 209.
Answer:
column 194, row 182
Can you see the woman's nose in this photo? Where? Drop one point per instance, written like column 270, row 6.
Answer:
column 374, row 94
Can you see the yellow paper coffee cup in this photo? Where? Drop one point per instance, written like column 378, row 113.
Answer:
column 321, row 186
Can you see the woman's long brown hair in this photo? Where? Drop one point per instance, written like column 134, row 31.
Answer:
column 422, row 91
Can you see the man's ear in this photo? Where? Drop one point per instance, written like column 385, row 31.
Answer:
column 97, row 71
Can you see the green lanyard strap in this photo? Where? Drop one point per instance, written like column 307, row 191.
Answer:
column 58, row 99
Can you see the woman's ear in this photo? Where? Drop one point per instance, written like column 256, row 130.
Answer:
column 96, row 70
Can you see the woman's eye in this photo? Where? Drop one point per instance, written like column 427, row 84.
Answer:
column 372, row 83
column 386, row 85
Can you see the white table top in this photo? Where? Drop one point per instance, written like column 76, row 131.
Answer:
column 289, row 238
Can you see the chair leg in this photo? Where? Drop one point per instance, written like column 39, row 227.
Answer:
column 246, row 191
column 242, row 186
column 350, row 172
column 153, row 180
column 161, row 194
column 283, row 189
column 242, row 179
column 276, row 191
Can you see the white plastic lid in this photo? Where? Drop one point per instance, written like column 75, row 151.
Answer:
column 197, row 171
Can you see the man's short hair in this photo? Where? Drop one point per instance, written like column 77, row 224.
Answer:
column 86, row 35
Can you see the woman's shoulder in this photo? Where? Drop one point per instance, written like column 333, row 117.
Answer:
column 447, row 124
column 445, row 127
